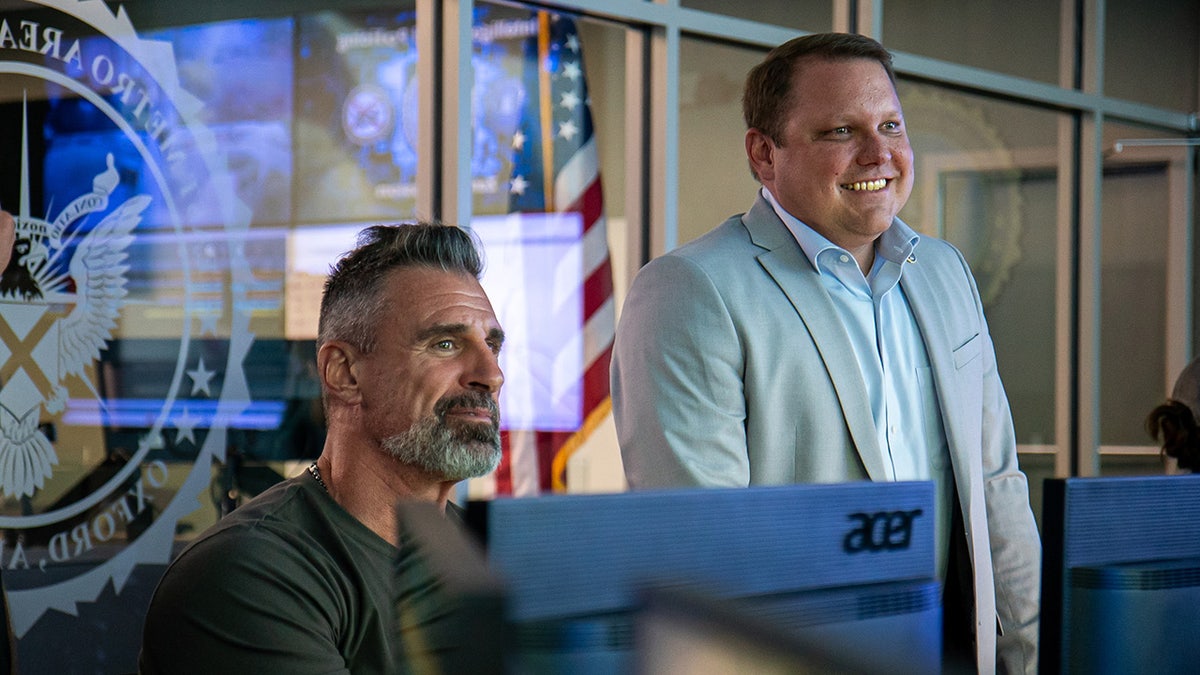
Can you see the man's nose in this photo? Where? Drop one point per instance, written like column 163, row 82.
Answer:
column 486, row 374
column 875, row 148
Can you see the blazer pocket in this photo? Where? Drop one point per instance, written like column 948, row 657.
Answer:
column 968, row 351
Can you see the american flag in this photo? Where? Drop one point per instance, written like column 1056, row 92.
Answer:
column 556, row 169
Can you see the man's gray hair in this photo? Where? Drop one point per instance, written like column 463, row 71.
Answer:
column 353, row 298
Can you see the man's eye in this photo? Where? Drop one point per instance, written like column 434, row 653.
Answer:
column 444, row 345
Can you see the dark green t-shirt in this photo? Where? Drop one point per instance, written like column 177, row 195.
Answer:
column 287, row 583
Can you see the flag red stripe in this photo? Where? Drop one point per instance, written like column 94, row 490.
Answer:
column 548, row 443
column 595, row 381
column 597, row 289
column 590, row 204
column 504, row 471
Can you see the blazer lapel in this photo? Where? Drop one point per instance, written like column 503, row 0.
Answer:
column 785, row 262
column 921, row 287
column 921, row 290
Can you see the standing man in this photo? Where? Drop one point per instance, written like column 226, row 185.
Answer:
column 817, row 338
column 299, row 580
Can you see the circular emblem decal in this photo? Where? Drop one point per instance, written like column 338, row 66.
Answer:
column 367, row 114
column 123, row 311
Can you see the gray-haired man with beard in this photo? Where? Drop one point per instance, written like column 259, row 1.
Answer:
column 299, row 580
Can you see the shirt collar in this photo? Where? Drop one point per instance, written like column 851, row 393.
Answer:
column 896, row 244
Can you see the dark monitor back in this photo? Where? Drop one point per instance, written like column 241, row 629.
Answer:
column 858, row 555
column 1121, row 575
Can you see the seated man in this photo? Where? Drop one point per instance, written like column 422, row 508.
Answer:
column 299, row 580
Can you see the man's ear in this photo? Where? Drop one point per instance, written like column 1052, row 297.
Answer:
column 760, row 150
column 336, row 365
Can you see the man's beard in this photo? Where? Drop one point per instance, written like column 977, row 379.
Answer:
column 451, row 450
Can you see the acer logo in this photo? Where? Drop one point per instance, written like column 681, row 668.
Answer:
column 882, row 531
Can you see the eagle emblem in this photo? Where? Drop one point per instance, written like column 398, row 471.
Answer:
column 60, row 298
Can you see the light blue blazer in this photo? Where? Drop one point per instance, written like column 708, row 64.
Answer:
column 732, row 368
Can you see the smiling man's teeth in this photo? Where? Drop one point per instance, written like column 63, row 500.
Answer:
column 867, row 185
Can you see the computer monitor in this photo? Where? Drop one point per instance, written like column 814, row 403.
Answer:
column 1121, row 575
column 851, row 565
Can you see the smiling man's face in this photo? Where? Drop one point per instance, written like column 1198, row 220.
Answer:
column 843, row 165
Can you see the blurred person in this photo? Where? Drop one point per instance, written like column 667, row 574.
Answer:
column 1175, row 424
column 817, row 338
column 300, row 579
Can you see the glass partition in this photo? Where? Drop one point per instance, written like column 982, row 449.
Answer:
column 986, row 181
column 1142, row 191
column 1153, row 36
column 714, row 179
column 808, row 15
column 1019, row 37
column 180, row 192
column 540, row 187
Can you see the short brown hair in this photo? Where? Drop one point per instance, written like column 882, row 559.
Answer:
column 769, row 85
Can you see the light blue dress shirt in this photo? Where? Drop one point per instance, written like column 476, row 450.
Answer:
column 891, row 354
